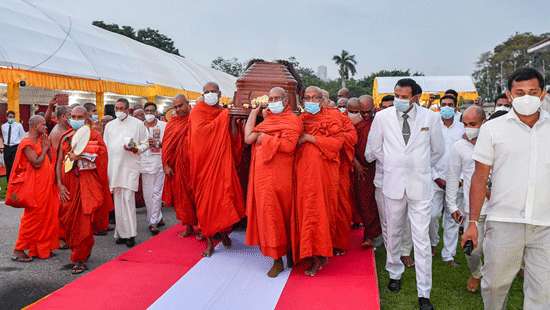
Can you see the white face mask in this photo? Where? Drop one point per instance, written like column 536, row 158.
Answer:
column 502, row 108
column 401, row 105
column 211, row 98
column 471, row 133
column 526, row 104
column 149, row 118
column 121, row 115
column 355, row 118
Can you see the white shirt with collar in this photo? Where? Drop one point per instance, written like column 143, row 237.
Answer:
column 461, row 165
column 151, row 162
column 407, row 167
column 17, row 133
column 520, row 161
column 451, row 134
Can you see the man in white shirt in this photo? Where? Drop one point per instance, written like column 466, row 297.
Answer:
column 461, row 167
column 125, row 138
column 152, row 174
column 453, row 130
column 514, row 149
column 408, row 139
column 12, row 133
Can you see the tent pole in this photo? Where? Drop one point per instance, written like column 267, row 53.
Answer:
column 100, row 104
column 13, row 98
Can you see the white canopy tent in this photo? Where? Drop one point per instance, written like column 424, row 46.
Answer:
column 36, row 38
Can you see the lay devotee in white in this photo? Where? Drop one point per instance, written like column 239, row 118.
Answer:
column 152, row 174
column 125, row 138
column 409, row 141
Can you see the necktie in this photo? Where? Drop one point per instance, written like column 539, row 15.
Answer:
column 406, row 128
column 9, row 135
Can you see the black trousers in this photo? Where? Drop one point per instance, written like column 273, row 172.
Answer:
column 9, row 157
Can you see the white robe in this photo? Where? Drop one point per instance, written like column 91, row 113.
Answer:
column 124, row 167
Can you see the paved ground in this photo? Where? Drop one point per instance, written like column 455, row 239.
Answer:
column 22, row 284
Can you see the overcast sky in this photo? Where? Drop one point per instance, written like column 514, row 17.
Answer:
column 437, row 37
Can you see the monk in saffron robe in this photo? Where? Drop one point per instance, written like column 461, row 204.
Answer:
column 316, row 194
column 361, row 113
column 84, row 189
column 39, row 227
column 175, row 160
column 343, row 212
column 270, row 183
column 216, row 189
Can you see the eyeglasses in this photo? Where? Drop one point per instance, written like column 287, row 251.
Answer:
column 311, row 98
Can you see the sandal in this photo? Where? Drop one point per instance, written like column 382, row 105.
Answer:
column 79, row 268
column 21, row 259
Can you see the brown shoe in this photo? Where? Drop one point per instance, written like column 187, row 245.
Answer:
column 473, row 284
column 408, row 261
column 433, row 251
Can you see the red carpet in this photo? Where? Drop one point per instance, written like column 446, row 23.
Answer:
column 346, row 282
column 137, row 278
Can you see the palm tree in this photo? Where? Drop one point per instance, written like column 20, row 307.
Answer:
column 346, row 64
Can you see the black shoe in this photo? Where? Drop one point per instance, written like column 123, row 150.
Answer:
column 161, row 223
column 120, row 240
column 153, row 229
column 425, row 304
column 394, row 285
column 130, row 242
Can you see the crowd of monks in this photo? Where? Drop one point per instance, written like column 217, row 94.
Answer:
column 308, row 181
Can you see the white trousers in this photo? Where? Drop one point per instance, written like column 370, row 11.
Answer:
column 505, row 246
column 474, row 260
column 418, row 213
column 379, row 197
column 450, row 227
column 406, row 239
column 125, row 213
column 152, row 184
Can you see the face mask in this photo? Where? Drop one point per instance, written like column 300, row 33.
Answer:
column 447, row 112
column 355, row 117
column 121, row 115
column 471, row 133
column 210, row 98
column 149, row 118
column 312, row 107
column 342, row 110
column 11, row 120
column 527, row 104
column 94, row 117
column 276, row 107
column 502, row 108
column 76, row 124
column 401, row 105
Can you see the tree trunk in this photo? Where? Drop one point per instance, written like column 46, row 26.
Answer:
column 343, row 82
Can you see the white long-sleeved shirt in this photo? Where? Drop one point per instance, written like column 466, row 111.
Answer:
column 451, row 135
column 461, row 165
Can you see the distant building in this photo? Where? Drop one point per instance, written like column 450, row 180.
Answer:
column 322, row 73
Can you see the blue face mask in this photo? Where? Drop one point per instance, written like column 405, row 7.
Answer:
column 276, row 107
column 94, row 117
column 401, row 105
column 76, row 124
column 312, row 107
column 447, row 112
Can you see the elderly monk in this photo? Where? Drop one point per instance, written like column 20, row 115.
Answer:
column 317, row 170
column 343, row 214
column 361, row 114
column 269, row 199
column 125, row 138
column 343, row 93
column 175, row 160
column 83, row 189
column 39, row 227
column 217, row 192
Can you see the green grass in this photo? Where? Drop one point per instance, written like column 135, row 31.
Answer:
column 3, row 187
column 448, row 286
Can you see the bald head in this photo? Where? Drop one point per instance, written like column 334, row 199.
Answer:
column 181, row 105
column 37, row 125
column 62, row 110
column 35, row 121
column 367, row 103
column 277, row 92
column 211, row 87
column 343, row 93
column 474, row 113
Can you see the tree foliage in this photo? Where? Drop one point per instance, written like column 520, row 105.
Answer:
column 494, row 67
column 346, row 65
column 230, row 66
column 147, row 36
